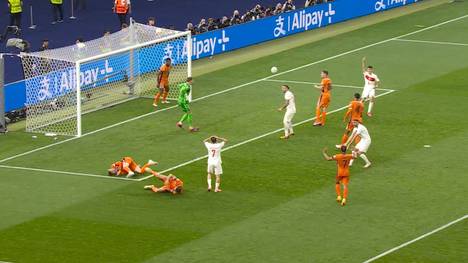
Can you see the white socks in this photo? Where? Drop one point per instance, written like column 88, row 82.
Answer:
column 209, row 183
column 364, row 157
column 217, row 187
column 371, row 104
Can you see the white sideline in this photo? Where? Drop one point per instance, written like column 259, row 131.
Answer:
column 237, row 87
column 417, row 239
column 315, row 83
column 253, row 139
column 432, row 42
column 65, row 172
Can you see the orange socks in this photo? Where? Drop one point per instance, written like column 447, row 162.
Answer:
column 317, row 115
column 324, row 117
column 345, row 191
column 338, row 189
column 156, row 98
column 143, row 169
column 344, row 139
column 165, row 95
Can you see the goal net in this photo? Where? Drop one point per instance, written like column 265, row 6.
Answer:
column 65, row 83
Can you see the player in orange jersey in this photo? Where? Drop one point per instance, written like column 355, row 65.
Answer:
column 127, row 166
column 342, row 177
column 163, row 82
column 172, row 184
column 355, row 110
column 324, row 99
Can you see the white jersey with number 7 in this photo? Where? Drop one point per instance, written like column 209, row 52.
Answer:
column 214, row 152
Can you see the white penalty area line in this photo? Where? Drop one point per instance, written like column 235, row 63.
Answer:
column 65, row 172
column 254, row 139
column 237, row 87
column 417, row 239
column 315, row 83
column 431, row 42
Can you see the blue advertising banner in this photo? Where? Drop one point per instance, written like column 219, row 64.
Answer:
column 203, row 45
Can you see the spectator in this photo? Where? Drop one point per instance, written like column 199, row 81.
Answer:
column 225, row 22
column 57, row 11
column 288, row 6
column 278, row 10
column 202, row 26
column 151, row 21
column 191, row 28
column 16, row 9
column 122, row 8
column 45, row 45
column 124, row 25
column 212, row 24
column 236, row 18
column 107, row 33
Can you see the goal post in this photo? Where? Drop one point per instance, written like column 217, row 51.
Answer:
column 64, row 84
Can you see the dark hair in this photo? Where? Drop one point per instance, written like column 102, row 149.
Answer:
column 45, row 40
column 286, row 86
column 325, row 71
column 151, row 18
column 357, row 95
column 343, row 148
column 370, row 67
column 168, row 59
column 178, row 190
column 213, row 139
column 189, row 79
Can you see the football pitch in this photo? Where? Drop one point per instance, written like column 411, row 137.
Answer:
column 278, row 200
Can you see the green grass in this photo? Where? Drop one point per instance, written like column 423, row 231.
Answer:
column 278, row 200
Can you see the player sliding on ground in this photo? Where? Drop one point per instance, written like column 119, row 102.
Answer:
column 363, row 145
column 171, row 184
column 342, row 176
column 214, row 144
column 371, row 82
column 356, row 107
column 324, row 100
column 127, row 166
column 163, row 82
column 290, row 106
column 183, row 102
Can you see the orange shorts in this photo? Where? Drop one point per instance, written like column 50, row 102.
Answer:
column 342, row 179
column 324, row 101
column 133, row 166
column 164, row 84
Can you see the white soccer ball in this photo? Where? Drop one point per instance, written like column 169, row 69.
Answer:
column 274, row 70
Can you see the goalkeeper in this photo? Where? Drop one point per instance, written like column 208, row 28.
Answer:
column 183, row 102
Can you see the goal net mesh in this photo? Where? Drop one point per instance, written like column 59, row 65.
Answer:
column 112, row 69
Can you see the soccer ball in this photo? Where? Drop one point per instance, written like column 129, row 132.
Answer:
column 274, row 70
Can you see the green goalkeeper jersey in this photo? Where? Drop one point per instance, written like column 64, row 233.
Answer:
column 184, row 92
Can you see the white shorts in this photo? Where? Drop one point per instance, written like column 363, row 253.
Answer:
column 215, row 169
column 368, row 92
column 363, row 145
column 288, row 116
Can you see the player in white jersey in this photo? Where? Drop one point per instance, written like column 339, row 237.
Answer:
column 214, row 144
column 363, row 145
column 290, row 106
column 371, row 82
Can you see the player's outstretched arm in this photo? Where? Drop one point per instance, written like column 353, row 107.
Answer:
column 286, row 103
column 363, row 64
column 325, row 154
column 221, row 139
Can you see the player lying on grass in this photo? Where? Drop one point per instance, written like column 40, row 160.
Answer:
column 127, row 166
column 356, row 107
column 342, row 176
column 171, row 184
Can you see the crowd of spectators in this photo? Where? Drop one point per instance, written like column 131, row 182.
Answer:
column 258, row 12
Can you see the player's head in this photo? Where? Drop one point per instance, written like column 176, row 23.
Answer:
column 213, row 139
column 343, row 148
column 370, row 69
column 112, row 172
column 356, row 123
column 284, row 88
column 168, row 61
column 324, row 73
column 357, row 96
column 179, row 189
column 189, row 80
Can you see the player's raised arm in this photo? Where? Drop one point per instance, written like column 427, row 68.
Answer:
column 325, row 154
column 363, row 64
column 221, row 139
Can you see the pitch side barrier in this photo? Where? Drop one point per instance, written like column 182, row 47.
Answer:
column 235, row 37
